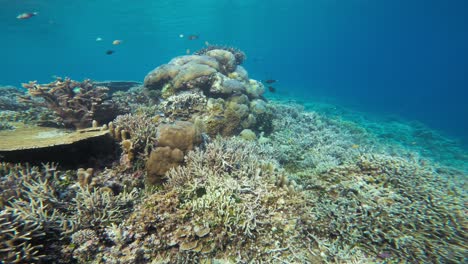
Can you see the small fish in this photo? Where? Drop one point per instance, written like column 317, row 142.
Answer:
column 98, row 39
column 270, row 81
column 193, row 37
column 109, row 52
column 207, row 43
column 181, row 36
column 116, row 42
column 26, row 15
column 187, row 51
column 271, row 89
column 355, row 146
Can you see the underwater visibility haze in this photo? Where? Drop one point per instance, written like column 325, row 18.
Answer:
column 233, row 131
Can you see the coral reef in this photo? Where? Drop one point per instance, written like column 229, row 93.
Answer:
column 391, row 208
column 6, row 126
column 142, row 130
column 34, row 220
column 213, row 88
column 100, row 207
column 41, row 207
column 173, row 142
column 9, row 99
column 239, row 55
column 34, row 144
column 210, row 172
column 76, row 103
column 228, row 201
column 309, row 141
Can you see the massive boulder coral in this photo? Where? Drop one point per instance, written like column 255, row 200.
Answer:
column 213, row 88
column 173, row 142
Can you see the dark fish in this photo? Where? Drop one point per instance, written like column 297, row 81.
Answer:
column 109, row 52
column 271, row 89
column 270, row 81
column 193, row 37
column 26, row 15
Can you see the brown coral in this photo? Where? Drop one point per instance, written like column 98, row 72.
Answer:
column 76, row 103
column 174, row 140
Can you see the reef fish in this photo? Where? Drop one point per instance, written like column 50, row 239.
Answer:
column 270, row 81
column 116, row 42
column 271, row 89
column 193, row 37
column 109, row 52
column 26, row 15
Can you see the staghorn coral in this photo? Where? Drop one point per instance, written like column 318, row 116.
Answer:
column 142, row 130
column 9, row 99
column 34, row 220
column 229, row 201
column 14, row 109
column 312, row 142
column 97, row 208
column 41, row 207
column 76, row 103
column 225, row 199
column 390, row 208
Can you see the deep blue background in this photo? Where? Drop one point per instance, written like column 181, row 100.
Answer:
column 405, row 57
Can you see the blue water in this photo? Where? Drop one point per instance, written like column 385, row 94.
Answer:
column 403, row 57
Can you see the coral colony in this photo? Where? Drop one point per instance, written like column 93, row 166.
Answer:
column 195, row 166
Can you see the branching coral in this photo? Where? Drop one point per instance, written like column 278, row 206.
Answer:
column 99, row 208
column 40, row 209
column 226, row 201
column 142, row 129
column 389, row 208
column 76, row 103
column 9, row 99
column 309, row 141
column 34, row 220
